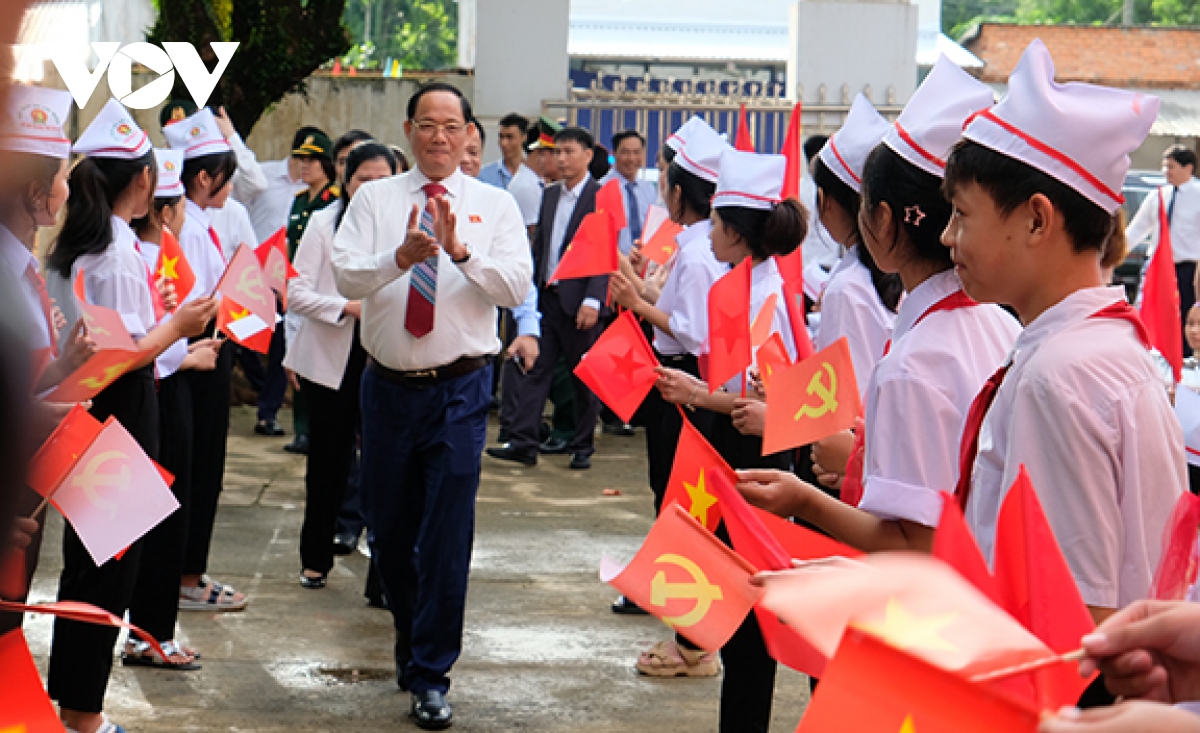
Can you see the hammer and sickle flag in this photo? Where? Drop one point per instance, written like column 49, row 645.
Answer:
column 870, row 686
column 812, row 399
column 113, row 494
column 688, row 578
column 24, row 705
column 658, row 235
column 244, row 283
column 272, row 255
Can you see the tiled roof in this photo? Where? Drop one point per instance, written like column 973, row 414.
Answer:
column 1141, row 57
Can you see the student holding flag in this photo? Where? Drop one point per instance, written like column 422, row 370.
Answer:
column 208, row 167
column 111, row 186
column 943, row 348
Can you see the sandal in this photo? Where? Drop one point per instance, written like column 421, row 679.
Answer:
column 105, row 727
column 209, row 595
column 140, row 654
column 313, row 582
column 666, row 659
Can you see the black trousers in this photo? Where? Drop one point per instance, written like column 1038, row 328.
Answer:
column 560, row 340
column 332, row 438
column 155, row 604
column 81, row 655
column 748, row 686
column 663, row 424
column 1185, row 275
column 210, row 406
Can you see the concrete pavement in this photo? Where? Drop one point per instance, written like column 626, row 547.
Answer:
column 542, row 651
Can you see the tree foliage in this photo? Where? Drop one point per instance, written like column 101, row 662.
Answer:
column 960, row 15
column 421, row 34
column 282, row 42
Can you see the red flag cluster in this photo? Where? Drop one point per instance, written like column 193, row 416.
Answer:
column 247, row 310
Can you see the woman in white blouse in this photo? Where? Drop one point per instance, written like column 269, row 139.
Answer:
column 328, row 358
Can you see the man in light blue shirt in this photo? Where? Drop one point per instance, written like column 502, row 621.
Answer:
column 629, row 148
column 512, row 151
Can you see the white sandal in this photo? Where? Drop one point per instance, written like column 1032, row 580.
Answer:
column 209, row 595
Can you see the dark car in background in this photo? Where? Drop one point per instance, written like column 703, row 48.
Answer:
column 1138, row 185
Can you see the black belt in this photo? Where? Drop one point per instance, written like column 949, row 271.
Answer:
column 429, row 377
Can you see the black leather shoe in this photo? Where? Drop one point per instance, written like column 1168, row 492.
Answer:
column 508, row 453
column 627, row 607
column 270, row 428
column 553, row 446
column 619, row 429
column 344, row 544
column 298, row 445
column 581, row 462
column 431, row 711
column 503, row 436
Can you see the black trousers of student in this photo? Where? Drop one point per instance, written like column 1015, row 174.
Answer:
column 663, row 424
column 210, row 406
column 81, row 655
column 155, row 604
column 1185, row 276
column 748, row 685
column 333, row 429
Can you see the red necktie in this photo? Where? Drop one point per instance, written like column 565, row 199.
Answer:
column 422, row 282
column 212, row 234
column 969, row 447
column 39, row 285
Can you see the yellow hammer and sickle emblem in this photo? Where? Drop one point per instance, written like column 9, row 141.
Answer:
column 91, row 479
column 110, row 374
column 699, row 590
column 278, row 272
column 92, row 327
column 251, row 284
column 828, row 394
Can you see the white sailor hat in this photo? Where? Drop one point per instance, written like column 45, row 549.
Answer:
column 197, row 135
column 680, row 137
column 749, row 180
column 170, row 168
column 1080, row 134
column 846, row 151
column 33, row 120
column 113, row 134
column 701, row 155
column 933, row 119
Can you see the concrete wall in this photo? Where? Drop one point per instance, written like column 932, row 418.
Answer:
column 858, row 44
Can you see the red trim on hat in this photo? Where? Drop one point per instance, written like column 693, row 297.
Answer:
column 709, row 171
column 913, row 144
column 1063, row 158
column 833, row 147
column 756, row 197
column 38, row 138
column 143, row 141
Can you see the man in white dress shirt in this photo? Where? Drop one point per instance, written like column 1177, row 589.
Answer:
column 1181, row 196
column 431, row 254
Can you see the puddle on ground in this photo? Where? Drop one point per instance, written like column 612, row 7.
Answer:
column 313, row 674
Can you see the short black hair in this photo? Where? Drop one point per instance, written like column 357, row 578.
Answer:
column 695, row 193
column 532, row 135
column 1010, row 183
column 302, row 135
column 348, row 139
column 479, row 129
column 576, row 134
column 1181, row 154
column 813, row 145
column 512, row 119
column 915, row 197
column 439, row 86
column 599, row 167
column 624, row 135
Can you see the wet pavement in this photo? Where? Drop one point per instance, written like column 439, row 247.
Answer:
column 542, row 650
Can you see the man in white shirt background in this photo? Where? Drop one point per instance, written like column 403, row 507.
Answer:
column 512, row 151
column 1181, row 197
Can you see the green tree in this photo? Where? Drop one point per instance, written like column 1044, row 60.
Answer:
column 421, row 34
column 282, row 42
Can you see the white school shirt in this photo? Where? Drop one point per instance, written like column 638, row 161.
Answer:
column 684, row 296
column 169, row 361
column 498, row 272
column 115, row 278
column 16, row 259
column 919, row 395
column 765, row 280
column 206, row 261
column 232, row 222
column 270, row 206
column 321, row 345
column 1185, row 221
column 851, row 307
column 1083, row 408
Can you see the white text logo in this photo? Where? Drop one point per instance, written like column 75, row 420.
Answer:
column 118, row 61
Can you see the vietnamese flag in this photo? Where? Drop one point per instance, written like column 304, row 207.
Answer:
column 243, row 283
column 912, row 601
column 243, row 327
column 772, row 358
column 620, row 366
column 812, row 399
column 113, row 494
column 954, row 545
column 1178, row 563
column 690, row 483
column 173, row 266
column 273, row 258
column 24, row 705
column 791, row 270
column 592, row 252
column 660, row 246
column 1160, row 298
column 764, row 322
column 1038, row 589
column 611, row 200
column 744, row 141
column 870, row 686
column 729, row 326
column 102, row 369
column 688, row 578
column 793, row 150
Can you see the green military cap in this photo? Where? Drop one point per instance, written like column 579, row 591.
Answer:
column 176, row 110
column 316, row 144
column 546, row 129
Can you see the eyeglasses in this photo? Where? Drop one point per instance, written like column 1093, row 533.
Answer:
column 429, row 129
